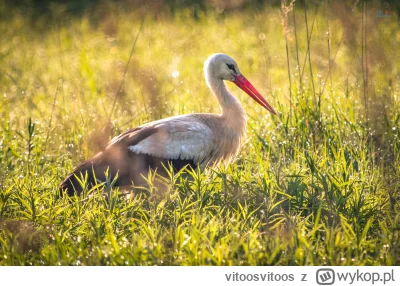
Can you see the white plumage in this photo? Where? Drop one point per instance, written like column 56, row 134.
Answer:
column 180, row 137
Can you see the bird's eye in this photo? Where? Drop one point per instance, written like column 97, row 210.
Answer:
column 231, row 67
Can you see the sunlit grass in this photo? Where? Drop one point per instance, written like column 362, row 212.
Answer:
column 314, row 187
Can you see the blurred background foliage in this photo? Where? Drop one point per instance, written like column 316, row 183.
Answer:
column 37, row 8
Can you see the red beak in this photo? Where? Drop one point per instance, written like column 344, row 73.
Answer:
column 248, row 88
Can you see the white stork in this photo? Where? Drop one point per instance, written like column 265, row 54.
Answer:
column 193, row 139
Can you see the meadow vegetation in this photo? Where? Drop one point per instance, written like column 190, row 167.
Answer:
column 319, row 184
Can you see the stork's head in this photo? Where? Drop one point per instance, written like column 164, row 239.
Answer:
column 223, row 67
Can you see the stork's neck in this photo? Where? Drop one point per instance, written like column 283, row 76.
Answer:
column 232, row 110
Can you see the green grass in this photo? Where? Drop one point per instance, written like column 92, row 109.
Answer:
column 316, row 186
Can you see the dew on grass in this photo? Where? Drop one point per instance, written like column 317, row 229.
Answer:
column 175, row 74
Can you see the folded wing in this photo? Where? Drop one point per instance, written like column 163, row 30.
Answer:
column 180, row 137
column 128, row 157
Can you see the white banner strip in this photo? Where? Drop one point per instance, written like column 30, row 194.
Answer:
column 200, row 275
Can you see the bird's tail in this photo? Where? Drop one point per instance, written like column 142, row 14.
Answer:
column 110, row 165
column 84, row 174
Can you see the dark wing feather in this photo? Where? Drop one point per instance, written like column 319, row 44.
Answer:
column 133, row 136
